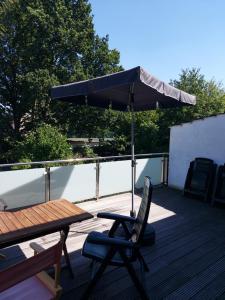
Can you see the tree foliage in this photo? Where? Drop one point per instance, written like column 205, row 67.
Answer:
column 152, row 128
column 210, row 101
column 44, row 43
column 44, row 143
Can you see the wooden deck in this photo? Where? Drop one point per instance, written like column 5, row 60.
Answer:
column 186, row 262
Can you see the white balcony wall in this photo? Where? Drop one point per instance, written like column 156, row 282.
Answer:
column 151, row 167
column 115, row 177
column 74, row 183
column 200, row 138
column 22, row 187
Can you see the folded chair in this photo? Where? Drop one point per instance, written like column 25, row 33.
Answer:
column 115, row 251
column 27, row 280
column 219, row 190
column 200, row 178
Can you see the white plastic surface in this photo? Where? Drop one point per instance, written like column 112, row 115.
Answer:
column 22, row 187
column 151, row 167
column 74, row 183
column 201, row 138
column 115, row 177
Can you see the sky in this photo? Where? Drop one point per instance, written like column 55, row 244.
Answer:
column 165, row 36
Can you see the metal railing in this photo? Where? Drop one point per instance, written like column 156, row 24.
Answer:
column 97, row 160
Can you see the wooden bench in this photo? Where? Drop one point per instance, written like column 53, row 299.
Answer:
column 39, row 220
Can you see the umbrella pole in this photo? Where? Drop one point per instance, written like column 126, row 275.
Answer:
column 132, row 212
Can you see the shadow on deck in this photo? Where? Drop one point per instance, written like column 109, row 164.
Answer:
column 187, row 260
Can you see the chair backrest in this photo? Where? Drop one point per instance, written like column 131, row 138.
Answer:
column 200, row 173
column 142, row 217
column 220, row 183
column 31, row 266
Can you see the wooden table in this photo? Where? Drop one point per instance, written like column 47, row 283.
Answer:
column 38, row 220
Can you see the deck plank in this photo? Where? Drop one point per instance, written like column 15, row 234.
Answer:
column 187, row 261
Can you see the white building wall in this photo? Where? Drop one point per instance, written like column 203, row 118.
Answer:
column 200, row 138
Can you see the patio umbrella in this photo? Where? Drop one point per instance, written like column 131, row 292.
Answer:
column 133, row 89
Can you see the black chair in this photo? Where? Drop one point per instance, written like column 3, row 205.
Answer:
column 123, row 227
column 122, row 252
column 200, row 178
column 219, row 191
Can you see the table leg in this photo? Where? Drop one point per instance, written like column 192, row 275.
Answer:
column 66, row 255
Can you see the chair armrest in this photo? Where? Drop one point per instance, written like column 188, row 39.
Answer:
column 36, row 247
column 3, row 205
column 99, row 238
column 116, row 217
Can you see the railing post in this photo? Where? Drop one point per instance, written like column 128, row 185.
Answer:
column 165, row 170
column 97, row 179
column 135, row 172
column 47, row 184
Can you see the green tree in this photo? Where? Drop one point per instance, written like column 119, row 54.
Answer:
column 147, row 132
column 152, row 128
column 44, row 143
column 210, row 101
column 44, row 43
column 87, row 151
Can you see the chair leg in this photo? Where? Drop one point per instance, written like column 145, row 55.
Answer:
column 98, row 274
column 137, row 282
column 66, row 255
column 94, row 280
column 91, row 264
column 134, row 277
column 142, row 260
column 94, row 268
column 142, row 271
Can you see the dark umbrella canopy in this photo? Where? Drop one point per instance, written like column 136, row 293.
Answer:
column 134, row 88
column 115, row 89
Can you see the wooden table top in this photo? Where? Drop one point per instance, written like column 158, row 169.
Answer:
column 39, row 220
